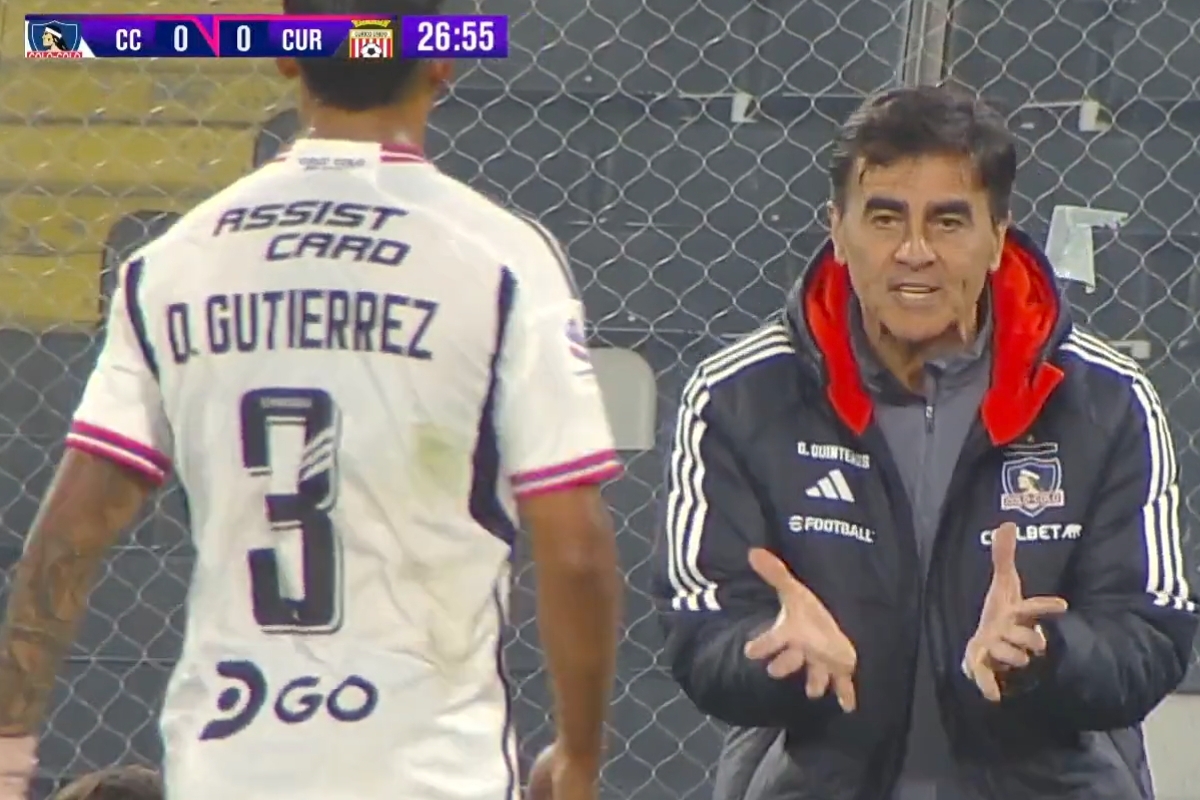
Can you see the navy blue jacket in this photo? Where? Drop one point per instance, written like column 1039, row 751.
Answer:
column 1071, row 444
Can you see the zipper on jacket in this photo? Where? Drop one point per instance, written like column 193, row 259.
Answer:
column 975, row 449
column 874, row 443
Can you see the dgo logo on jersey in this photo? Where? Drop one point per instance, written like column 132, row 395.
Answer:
column 298, row 701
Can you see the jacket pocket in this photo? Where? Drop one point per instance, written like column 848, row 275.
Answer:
column 791, row 771
column 742, row 752
column 1092, row 771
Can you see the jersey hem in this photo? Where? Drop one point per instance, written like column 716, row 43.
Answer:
column 119, row 449
column 588, row 470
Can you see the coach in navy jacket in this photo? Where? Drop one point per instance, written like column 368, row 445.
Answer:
column 783, row 444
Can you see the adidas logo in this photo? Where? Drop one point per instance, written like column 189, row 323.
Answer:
column 832, row 487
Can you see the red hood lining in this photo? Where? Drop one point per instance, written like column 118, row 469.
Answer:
column 1025, row 310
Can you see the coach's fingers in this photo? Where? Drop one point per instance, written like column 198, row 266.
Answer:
column 792, row 592
column 816, row 680
column 843, row 690
column 1031, row 609
column 787, row 663
column 840, row 655
column 1031, row 640
column 985, row 678
column 771, row 569
column 766, row 645
column 1001, row 652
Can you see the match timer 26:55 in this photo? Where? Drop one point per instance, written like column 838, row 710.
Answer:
column 450, row 36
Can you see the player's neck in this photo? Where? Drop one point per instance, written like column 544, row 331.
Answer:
column 394, row 126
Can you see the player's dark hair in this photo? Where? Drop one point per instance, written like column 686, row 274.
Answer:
column 55, row 30
column 115, row 783
column 360, row 84
column 921, row 121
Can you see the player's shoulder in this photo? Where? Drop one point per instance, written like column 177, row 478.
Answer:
column 531, row 252
column 460, row 207
column 191, row 233
column 185, row 251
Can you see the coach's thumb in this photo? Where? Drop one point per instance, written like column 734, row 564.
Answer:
column 768, row 567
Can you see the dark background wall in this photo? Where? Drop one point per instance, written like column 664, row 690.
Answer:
column 677, row 148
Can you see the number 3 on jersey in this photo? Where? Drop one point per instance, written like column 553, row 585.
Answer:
column 290, row 439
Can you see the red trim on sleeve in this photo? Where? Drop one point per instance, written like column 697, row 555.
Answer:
column 584, row 471
column 119, row 449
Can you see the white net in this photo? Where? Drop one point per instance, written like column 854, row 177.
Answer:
column 677, row 147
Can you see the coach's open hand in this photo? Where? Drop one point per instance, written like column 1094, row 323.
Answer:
column 1008, row 634
column 805, row 634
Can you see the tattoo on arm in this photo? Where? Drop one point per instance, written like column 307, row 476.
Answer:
column 88, row 505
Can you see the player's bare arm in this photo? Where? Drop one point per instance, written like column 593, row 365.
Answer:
column 90, row 501
column 578, row 596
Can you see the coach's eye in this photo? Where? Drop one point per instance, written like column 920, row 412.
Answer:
column 951, row 223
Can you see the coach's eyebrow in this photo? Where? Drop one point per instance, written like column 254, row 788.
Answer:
column 950, row 208
column 891, row 204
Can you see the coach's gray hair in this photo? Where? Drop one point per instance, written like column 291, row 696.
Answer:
column 927, row 120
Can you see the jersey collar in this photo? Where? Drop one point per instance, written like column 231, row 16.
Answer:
column 385, row 153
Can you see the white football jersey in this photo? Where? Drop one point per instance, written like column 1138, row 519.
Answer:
column 355, row 364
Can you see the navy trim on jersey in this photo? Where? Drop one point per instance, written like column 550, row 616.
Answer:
column 137, row 319
column 507, row 731
column 559, row 256
column 484, row 503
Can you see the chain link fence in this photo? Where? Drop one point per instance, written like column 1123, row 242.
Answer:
column 677, row 148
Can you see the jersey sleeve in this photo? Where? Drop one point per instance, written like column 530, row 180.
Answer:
column 553, row 430
column 121, row 417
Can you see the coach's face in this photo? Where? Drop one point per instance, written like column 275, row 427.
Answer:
column 918, row 240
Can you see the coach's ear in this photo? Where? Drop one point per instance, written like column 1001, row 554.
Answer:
column 287, row 67
column 834, row 216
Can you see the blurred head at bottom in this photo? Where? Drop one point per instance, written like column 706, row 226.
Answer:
column 115, row 783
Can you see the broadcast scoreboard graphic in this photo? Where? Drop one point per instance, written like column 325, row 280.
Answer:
column 55, row 39
column 371, row 39
column 71, row 36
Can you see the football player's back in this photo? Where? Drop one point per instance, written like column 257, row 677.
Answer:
column 363, row 373
column 333, row 356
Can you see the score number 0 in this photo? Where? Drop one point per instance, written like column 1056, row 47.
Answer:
column 242, row 38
